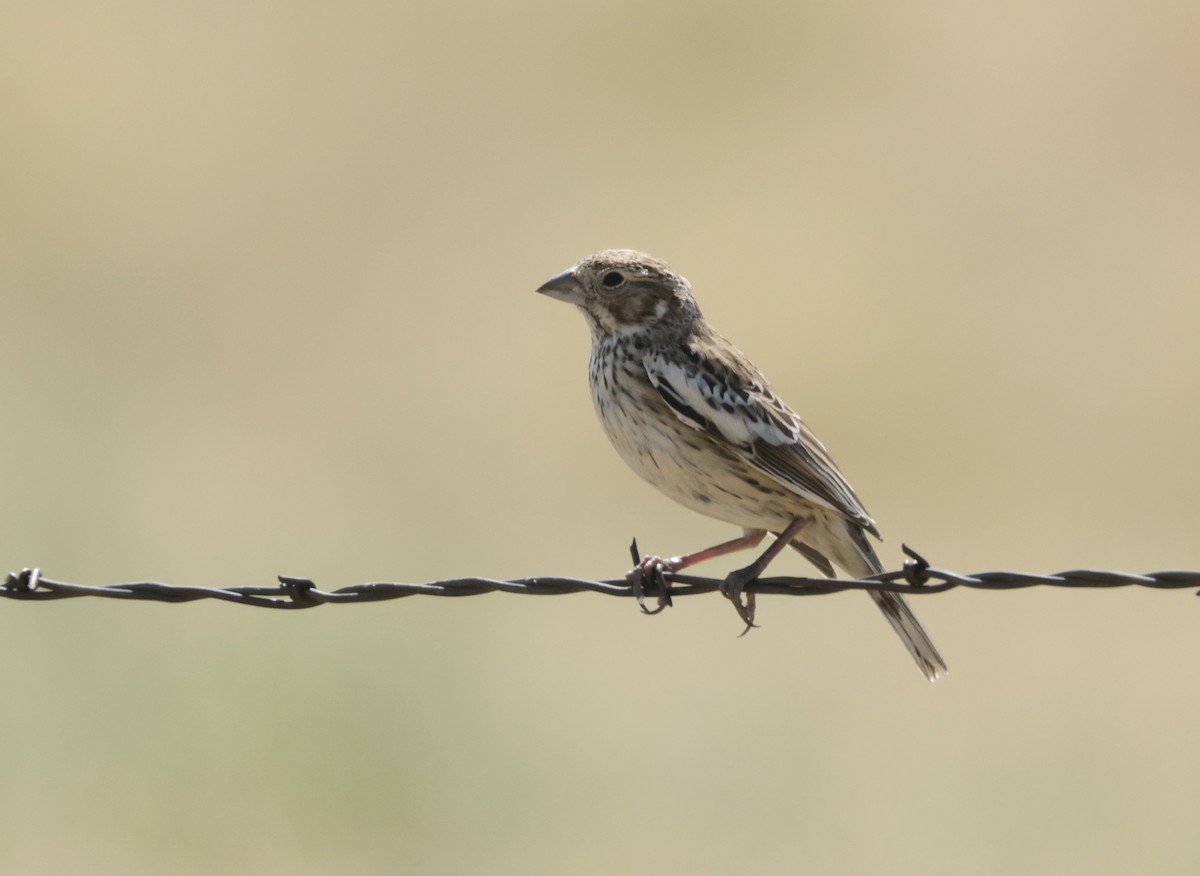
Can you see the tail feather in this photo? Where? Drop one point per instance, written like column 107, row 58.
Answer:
column 862, row 561
column 915, row 639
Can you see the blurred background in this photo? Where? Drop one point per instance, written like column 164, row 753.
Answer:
column 266, row 293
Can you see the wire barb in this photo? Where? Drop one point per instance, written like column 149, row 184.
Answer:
column 916, row 578
column 916, row 567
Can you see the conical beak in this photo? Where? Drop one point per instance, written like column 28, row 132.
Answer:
column 564, row 287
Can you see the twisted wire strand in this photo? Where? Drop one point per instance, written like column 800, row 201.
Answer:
column 916, row 578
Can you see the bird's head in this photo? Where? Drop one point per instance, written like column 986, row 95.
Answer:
column 622, row 291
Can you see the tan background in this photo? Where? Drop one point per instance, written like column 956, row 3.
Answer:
column 267, row 306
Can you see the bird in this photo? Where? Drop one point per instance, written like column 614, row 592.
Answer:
column 693, row 416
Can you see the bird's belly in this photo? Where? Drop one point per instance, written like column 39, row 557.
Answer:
column 691, row 468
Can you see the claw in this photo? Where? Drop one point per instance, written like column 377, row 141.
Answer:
column 734, row 587
column 746, row 613
column 655, row 567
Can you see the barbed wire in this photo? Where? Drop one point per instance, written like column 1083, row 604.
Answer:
column 916, row 578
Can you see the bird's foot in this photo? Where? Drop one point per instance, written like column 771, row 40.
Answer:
column 651, row 569
column 734, row 588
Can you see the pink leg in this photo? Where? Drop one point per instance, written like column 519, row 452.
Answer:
column 736, row 582
column 653, row 566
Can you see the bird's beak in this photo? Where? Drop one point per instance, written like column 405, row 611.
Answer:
column 564, row 287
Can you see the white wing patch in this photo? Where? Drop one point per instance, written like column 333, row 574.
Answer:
column 702, row 401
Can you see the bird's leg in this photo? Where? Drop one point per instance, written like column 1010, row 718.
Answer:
column 734, row 585
column 653, row 567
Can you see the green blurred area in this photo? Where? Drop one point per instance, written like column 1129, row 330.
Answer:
column 266, row 291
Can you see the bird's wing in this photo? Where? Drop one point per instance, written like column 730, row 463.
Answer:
column 714, row 389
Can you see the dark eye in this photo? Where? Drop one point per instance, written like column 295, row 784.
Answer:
column 612, row 280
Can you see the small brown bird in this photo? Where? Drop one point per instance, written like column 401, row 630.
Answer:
column 689, row 413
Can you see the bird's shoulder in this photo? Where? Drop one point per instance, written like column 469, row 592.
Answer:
column 723, row 387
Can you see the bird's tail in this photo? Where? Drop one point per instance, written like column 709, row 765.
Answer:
column 864, row 562
column 915, row 639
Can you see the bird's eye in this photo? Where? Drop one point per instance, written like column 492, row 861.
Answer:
column 612, row 279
